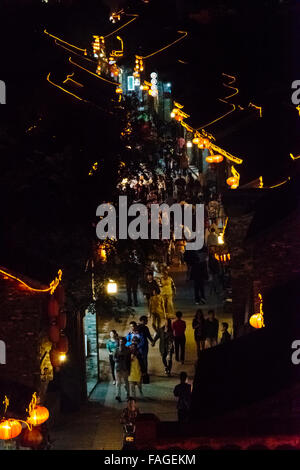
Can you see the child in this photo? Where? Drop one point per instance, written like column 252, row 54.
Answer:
column 225, row 336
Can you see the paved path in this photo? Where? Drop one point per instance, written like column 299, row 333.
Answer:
column 97, row 426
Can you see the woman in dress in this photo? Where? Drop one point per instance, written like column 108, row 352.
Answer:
column 167, row 291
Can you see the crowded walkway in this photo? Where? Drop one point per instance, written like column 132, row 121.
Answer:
column 101, row 416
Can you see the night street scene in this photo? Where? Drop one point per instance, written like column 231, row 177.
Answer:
column 150, row 226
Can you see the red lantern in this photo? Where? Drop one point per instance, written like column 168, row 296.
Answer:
column 55, row 358
column 53, row 308
column 9, row 428
column 59, row 294
column 38, row 415
column 53, row 333
column 257, row 320
column 32, row 439
column 63, row 344
column 232, row 181
column 62, row 320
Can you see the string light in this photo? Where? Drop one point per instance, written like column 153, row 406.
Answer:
column 121, row 27
column 224, row 100
column 280, row 184
column 63, row 89
column 71, row 80
column 65, row 42
column 294, row 158
column 256, row 107
column 73, row 52
column 92, row 73
column 53, row 285
column 184, row 33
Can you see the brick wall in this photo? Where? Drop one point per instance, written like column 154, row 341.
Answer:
column 23, row 317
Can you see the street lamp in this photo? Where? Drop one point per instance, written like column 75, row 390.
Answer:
column 111, row 287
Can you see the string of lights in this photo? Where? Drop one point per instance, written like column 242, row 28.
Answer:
column 280, row 184
column 65, row 42
column 92, row 73
column 76, row 53
column 256, row 107
column 166, row 47
column 121, row 27
column 224, row 100
column 53, row 285
column 63, row 89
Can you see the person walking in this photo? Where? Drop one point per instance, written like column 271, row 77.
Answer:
column 157, row 310
column 166, row 345
column 199, row 330
column 111, row 347
column 183, row 391
column 178, row 328
column 137, row 369
column 214, row 272
column 150, row 288
column 132, row 268
column 121, row 357
column 167, row 291
column 145, row 337
column 211, row 329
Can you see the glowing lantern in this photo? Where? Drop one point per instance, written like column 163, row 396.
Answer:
column 38, row 415
column 189, row 144
column 112, row 287
column 9, row 429
column 53, row 308
column 144, row 87
column 63, row 344
column 257, row 321
column 119, row 90
column 55, row 357
column 32, row 439
column 232, row 181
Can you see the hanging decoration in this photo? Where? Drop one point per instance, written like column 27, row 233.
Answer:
column 11, row 428
column 233, row 181
column 257, row 320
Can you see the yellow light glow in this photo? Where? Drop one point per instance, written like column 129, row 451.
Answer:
column 53, row 285
column 184, row 34
column 63, row 89
column 256, row 107
column 121, row 27
column 92, row 73
column 294, row 158
column 111, row 287
column 69, row 44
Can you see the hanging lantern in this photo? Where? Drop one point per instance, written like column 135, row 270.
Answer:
column 111, row 287
column 196, row 140
column 55, row 357
column 232, row 181
column 53, row 308
column 62, row 320
column 257, row 320
column 9, row 429
column 32, row 439
column 119, row 90
column 214, row 158
column 53, row 332
column 63, row 344
column 38, row 415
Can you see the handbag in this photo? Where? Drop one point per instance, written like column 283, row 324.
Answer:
column 146, row 379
